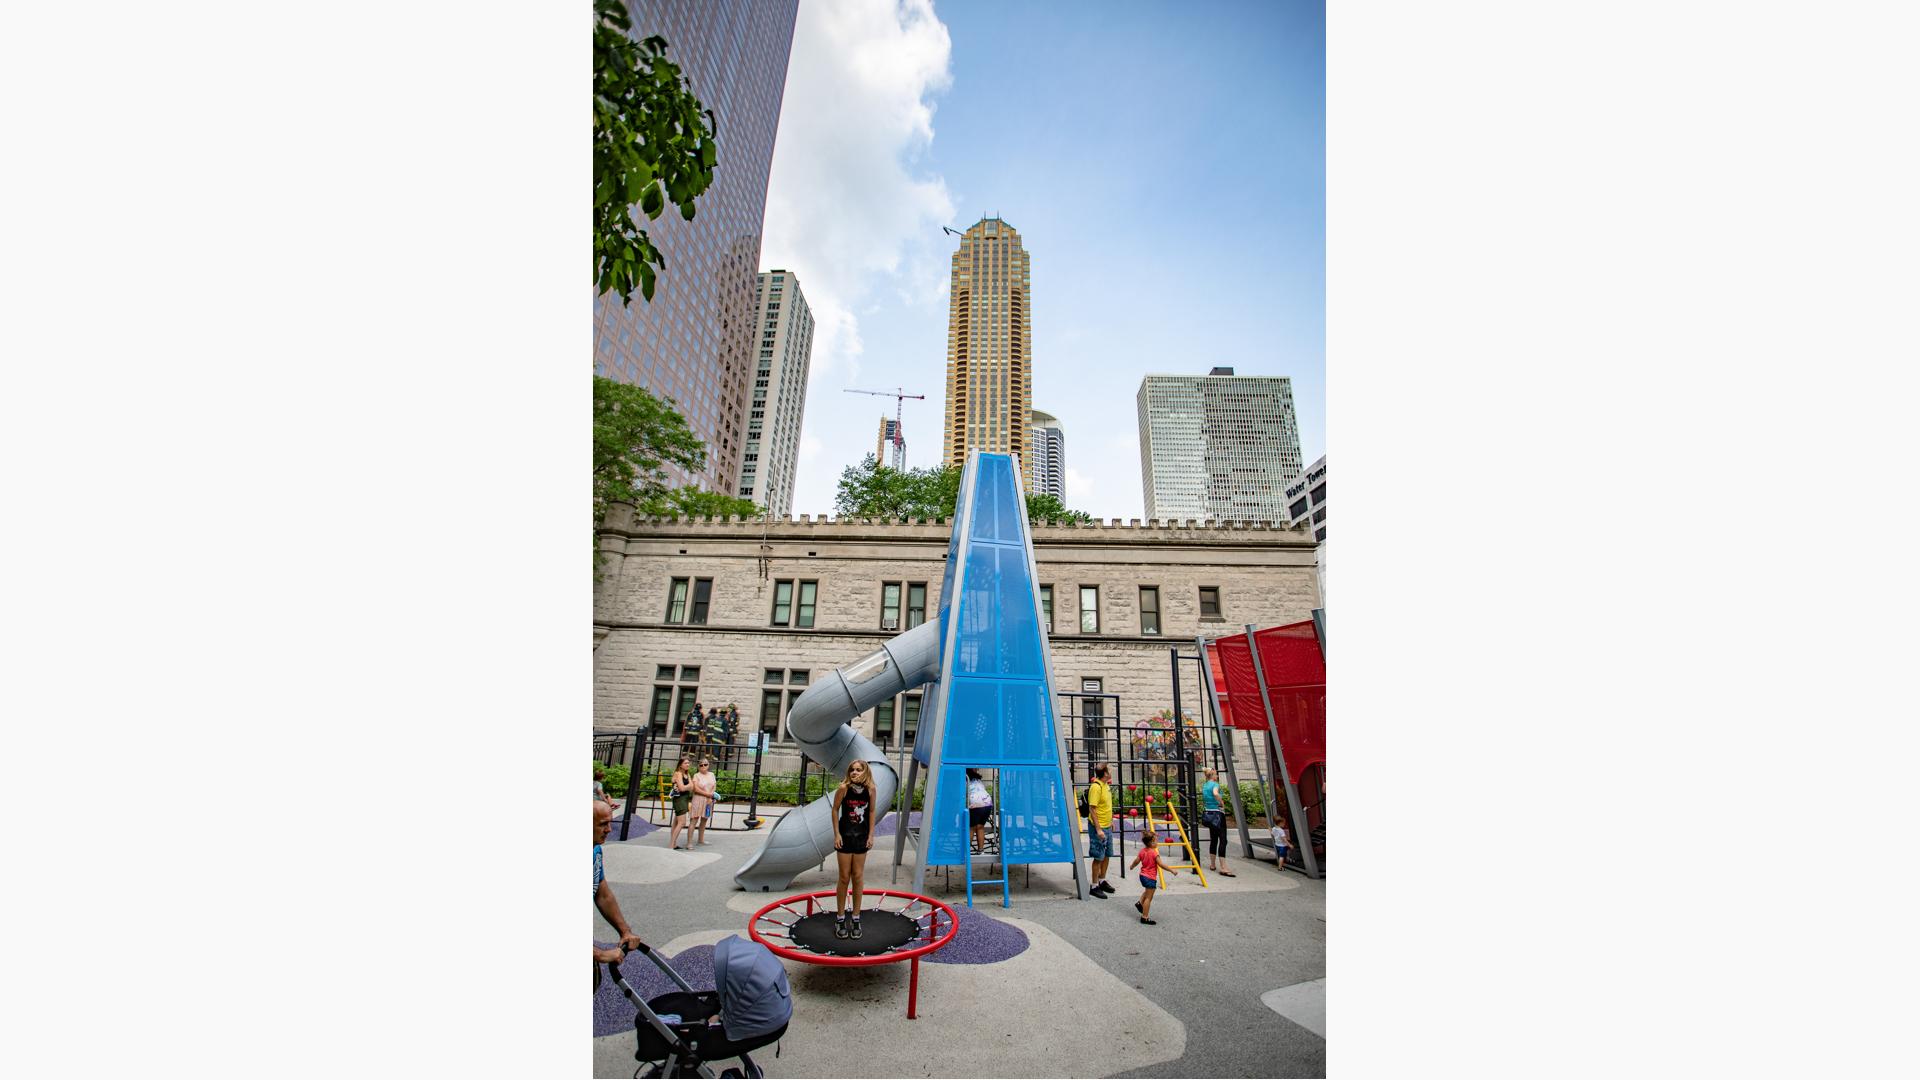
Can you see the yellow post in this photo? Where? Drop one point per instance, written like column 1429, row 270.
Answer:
column 1173, row 816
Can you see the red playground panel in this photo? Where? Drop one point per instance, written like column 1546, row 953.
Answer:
column 1296, row 674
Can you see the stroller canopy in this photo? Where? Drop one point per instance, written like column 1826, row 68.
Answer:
column 754, row 996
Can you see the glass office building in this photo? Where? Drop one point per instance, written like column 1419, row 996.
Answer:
column 1217, row 447
column 696, row 340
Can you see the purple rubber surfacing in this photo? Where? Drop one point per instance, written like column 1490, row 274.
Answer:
column 614, row 1014
column 982, row 939
column 891, row 824
column 638, row 828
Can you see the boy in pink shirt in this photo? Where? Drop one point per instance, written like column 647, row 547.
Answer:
column 1148, row 859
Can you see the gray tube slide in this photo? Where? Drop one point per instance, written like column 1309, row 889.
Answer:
column 819, row 722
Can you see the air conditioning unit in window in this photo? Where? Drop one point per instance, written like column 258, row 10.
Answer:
column 889, row 624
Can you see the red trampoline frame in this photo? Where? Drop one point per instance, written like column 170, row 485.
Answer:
column 934, row 910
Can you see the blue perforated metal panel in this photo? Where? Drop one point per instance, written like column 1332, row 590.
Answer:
column 994, row 706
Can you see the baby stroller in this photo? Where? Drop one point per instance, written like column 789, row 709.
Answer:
column 753, row 1005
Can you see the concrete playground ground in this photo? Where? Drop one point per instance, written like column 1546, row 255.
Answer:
column 1231, row 982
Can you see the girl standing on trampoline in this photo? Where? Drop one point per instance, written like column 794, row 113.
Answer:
column 852, row 833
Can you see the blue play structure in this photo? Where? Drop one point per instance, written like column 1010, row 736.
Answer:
column 991, row 708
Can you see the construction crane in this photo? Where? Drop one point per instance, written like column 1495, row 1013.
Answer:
column 900, row 397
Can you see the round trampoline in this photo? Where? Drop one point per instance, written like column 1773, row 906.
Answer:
column 801, row 928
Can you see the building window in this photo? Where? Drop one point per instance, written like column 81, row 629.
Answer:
column 909, row 718
column 796, row 678
column 883, row 724
column 782, row 603
column 689, row 696
column 1297, row 508
column 702, row 593
column 774, row 675
column 1093, row 710
column 1046, row 605
column 1149, row 609
column 770, row 714
column 1209, row 602
column 916, row 606
column 1089, row 609
column 677, row 601
column 1320, row 534
column 803, row 614
column 659, row 719
column 663, row 672
column 1320, row 515
column 1319, row 495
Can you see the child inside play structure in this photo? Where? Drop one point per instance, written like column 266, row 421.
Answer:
column 852, row 829
column 979, row 809
column 1149, row 860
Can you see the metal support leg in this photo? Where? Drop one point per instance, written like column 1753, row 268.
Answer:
column 906, row 816
column 1226, row 748
column 1302, row 836
column 913, row 989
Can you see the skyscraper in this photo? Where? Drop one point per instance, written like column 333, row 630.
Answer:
column 1049, row 456
column 779, row 402
column 694, row 341
column 989, row 347
column 891, row 448
column 1218, row 446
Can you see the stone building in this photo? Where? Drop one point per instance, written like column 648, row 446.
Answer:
column 753, row 612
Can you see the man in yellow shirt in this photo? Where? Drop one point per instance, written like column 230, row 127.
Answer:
column 1100, row 830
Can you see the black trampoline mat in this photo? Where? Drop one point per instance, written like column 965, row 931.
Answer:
column 880, row 932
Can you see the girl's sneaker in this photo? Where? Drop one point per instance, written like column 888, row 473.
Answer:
column 840, row 927
column 855, row 932
column 1148, row 921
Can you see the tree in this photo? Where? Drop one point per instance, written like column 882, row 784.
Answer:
column 870, row 489
column 635, row 435
column 652, row 142
column 1050, row 508
column 691, row 502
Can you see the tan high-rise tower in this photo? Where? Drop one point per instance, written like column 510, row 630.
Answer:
column 989, row 347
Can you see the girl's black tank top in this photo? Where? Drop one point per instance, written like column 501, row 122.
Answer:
column 854, row 809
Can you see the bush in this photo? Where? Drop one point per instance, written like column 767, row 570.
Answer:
column 615, row 781
column 1253, row 798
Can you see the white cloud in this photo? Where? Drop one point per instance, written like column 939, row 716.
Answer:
column 844, row 204
column 1079, row 485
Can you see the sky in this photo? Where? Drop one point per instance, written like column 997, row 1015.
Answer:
column 1164, row 164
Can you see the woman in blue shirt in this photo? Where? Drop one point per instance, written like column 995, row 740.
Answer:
column 1215, row 816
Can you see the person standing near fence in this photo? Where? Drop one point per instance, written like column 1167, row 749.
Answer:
column 1215, row 815
column 1100, row 830
column 681, row 788
column 702, row 809
column 691, row 727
